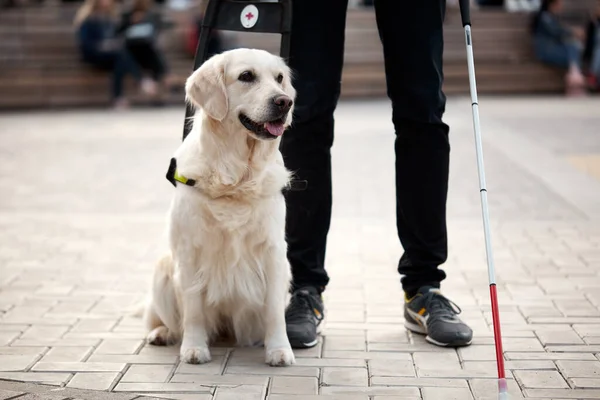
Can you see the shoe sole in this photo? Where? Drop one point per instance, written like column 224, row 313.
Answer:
column 422, row 331
column 302, row 345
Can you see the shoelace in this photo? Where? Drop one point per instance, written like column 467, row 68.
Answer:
column 301, row 307
column 441, row 305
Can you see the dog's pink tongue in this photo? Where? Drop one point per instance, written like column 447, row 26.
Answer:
column 275, row 129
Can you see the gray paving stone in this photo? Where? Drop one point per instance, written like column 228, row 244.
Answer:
column 52, row 378
column 16, row 363
column 540, row 379
column 242, row 392
column 7, row 337
column 9, row 394
column 132, row 359
column 345, row 376
column 550, row 356
column 78, row 367
column 45, row 392
column 549, row 337
column 147, row 373
column 118, row 346
column 418, row 382
column 579, row 369
column 585, row 383
column 345, row 343
column 321, row 397
column 164, row 387
column 67, row 354
column 45, row 396
column 410, row 392
column 381, row 368
column 180, row 396
column 488, row 388
column 294, row 385
column 446, row 394
column 265, row 370
column 330, row 362
column 216, row 380
column 563, row 393
column 93, row 380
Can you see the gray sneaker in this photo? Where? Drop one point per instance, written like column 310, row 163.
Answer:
column 430, row 313
column 303, row 316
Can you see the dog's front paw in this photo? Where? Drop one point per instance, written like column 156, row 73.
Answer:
column 280, row 357
column 195, row 355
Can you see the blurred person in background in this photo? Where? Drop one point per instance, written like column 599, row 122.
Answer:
column 140, row 27
column 559, row 45
column 592, row 46
column 100, row 47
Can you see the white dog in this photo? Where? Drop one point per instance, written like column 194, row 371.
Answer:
column 227, row 270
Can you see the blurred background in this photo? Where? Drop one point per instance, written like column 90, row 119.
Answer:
column 49, row 55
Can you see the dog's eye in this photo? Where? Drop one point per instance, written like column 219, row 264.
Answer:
column 247, row 76
column 279, row 78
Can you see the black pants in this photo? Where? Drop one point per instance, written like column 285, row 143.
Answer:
column 411, row 34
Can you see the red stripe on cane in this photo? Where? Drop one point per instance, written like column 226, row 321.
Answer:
column 497, row 333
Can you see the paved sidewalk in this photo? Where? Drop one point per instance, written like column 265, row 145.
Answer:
column 82, row 210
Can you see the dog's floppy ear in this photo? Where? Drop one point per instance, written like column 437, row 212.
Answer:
column 205, row 88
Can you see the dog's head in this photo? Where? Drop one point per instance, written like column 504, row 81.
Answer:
column 248, row 88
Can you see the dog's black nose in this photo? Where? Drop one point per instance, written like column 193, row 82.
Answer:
column 284, row 103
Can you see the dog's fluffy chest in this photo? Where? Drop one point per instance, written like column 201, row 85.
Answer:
column 230, row 243
column 231, row 214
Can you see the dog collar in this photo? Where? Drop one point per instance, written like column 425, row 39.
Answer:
column 174, row 176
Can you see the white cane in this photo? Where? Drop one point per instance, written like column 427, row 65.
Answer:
column 466, row 21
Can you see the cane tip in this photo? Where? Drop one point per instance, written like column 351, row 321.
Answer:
column 503, row 390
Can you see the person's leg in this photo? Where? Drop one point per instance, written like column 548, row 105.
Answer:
column 411, row 33
column 574, row 53
column 558, row 55
column 124, row 64
column 107, row 61
column 575, row 79
column 566, row 56
column 158, row 64
column 129, row 65
column 149, row 58
column 316, row 58
column 119, row 72
column 155, row 62
column 412, row 38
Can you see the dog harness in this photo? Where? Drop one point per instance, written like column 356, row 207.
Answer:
column 174, row 176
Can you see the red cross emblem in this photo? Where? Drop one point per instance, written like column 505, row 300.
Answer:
column 249, row 16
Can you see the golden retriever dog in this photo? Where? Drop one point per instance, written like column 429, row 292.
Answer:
column 227, row 270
